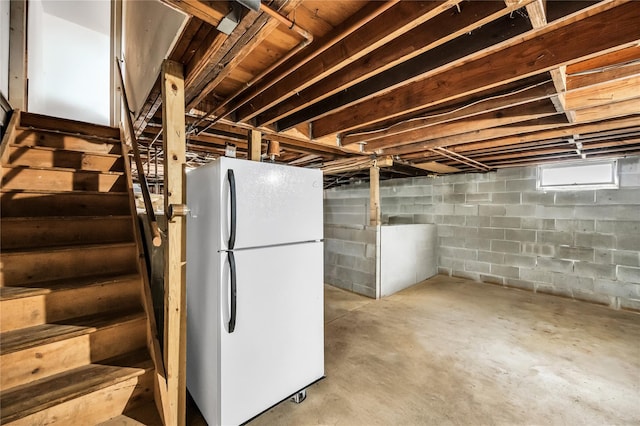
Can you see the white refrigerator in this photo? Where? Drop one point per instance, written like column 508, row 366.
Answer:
column 255, row 326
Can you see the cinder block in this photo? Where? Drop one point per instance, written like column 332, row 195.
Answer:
column 629, row 165
column 521, row 284
column 492, row 186
column 465, row 232
column 554, row 265
column 491, row 210
column 538, row 249
column 626, row 258
column 558, row 212
column 491, row 257
column 444, row 271
column 536, row 275
column 463, row 188
column 561, row 280
column 451, row 242
column 590, row 296
column 365, row 265
column 629, row 180
column 478, row 197
column 589, row 239
column 630, row 304
column 604, row 256
column 451, row 263
column 459, row 253
column 491, row 279
column 521, row 210
column 453, row 198
column 618, row 196
column 592, row 270
column 519, row 260
column 520, row 235
column 465, row 210
column 521, row 185
column 617, row 288
column 573, row 225
column 353, row 248
column 477, row 243
column 554, row 237
column 364, row 290
column 618, row 227
column 506, row 197
column 442, row 189
column 370, row 251
column 446, row 230
column 505, row 246
column 628, row 274
column 628, row 242
column 478, row 221
column 505, row 271
column 453, row 220
column 576, row 253
column 474, row 266
column 553, row 290
column 538, row 198
column 491, row 233
column 422, row 218
column 619, row 212
column 575, row 198
column 464, row 274
column 347, row 261
column 505, row 222
column 443, row 209
column 535, row 223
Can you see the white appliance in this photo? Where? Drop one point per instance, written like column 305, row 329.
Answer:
column 255, row 326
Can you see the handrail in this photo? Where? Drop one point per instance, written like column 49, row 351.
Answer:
column 146, row 195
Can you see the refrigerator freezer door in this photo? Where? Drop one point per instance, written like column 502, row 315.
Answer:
column 277, row 346
column 275, row 204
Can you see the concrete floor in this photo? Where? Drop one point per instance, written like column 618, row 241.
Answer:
column 451, row 351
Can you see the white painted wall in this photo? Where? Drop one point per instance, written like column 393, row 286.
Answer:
column 4, row 48
column 150, row 30
column 69, row 58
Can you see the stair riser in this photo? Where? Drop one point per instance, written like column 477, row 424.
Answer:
column 21, row 313
column 42, row 361
column 92, row 408
column 61, row 180
column 92, row 300
column 51, row 232
column 28, row 267
column 117, row 340
column 29, row 119
column 16, row 204
column 29, row 156
column 66, row 142
column 63, row 304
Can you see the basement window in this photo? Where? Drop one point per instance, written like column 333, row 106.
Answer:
column 578, row 176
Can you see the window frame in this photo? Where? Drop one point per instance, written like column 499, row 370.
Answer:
column 613, row 183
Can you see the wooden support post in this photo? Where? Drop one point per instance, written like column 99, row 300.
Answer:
column 18, row 54
column 254, row 151
column 175, row 338
column 374, row 195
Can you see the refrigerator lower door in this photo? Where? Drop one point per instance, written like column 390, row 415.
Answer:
column 277, row 345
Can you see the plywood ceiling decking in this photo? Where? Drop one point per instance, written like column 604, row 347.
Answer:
column 441, row 86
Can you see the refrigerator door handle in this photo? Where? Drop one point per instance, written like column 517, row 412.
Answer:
column 232, row 189
column 232, row 267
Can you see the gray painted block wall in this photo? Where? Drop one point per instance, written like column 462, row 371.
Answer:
column 497, row 228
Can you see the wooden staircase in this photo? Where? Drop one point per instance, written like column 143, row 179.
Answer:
column 74, row 342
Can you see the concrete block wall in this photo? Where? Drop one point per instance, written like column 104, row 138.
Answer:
column 350, row 257
column 498, row 228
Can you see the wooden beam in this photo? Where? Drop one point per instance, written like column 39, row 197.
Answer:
column 577, row 81
column 571, row 40
column 18, row 54
column 208, row 11
column 444, row 57
column 617, row 109
column 605, row 93
column 175, row 250
column 521, row 113
column 538, row 17
column 374, row 196
column 254, row 144
column 441, row 29
column 397, row 20
column 9, row 134
column 473, row 108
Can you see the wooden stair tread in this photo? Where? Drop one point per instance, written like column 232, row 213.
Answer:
column 11, row 293
column 44, row 122
column 17, row 340
column 39, row 395
column 55, row 192
column 75, row 247
column 46, row 287
column 63, row 218
column 63, row 169
column 51, row 149
column 29, row 337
